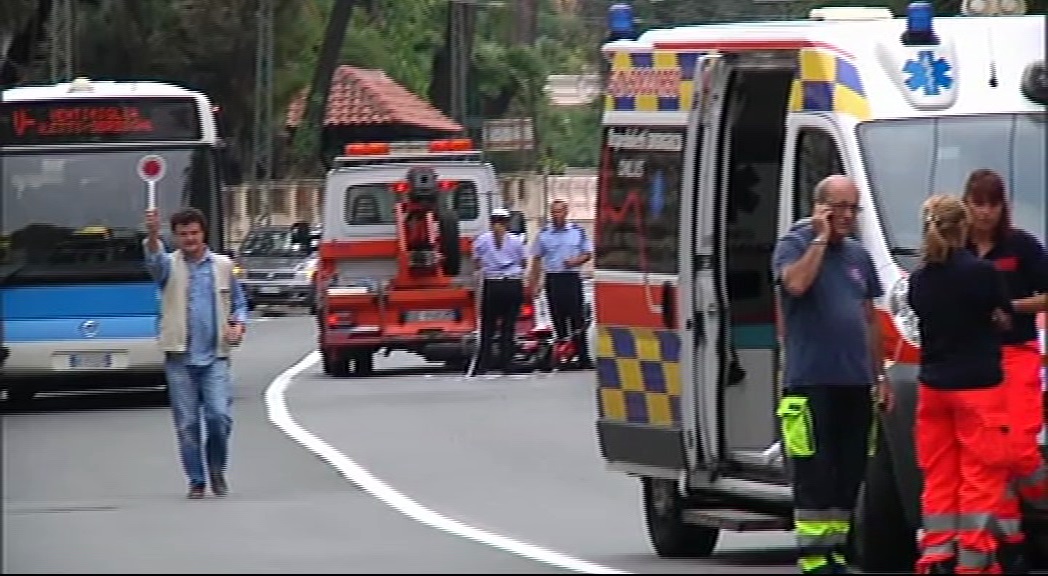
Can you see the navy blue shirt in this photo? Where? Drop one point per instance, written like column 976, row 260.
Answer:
column 827, row 329
column 954, row 301
column 1022, row 261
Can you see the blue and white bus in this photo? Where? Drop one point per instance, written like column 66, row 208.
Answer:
column 75, row 298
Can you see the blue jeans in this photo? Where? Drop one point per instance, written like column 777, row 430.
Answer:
column 191, row 388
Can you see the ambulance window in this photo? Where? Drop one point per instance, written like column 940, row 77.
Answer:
column 374, row 203
column 638, row 202
column 909, row 160
column 817, row 158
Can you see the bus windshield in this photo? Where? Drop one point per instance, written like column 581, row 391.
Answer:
column 68, row 215
column 910, row 160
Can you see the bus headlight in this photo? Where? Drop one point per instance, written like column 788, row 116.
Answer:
column 903, row 315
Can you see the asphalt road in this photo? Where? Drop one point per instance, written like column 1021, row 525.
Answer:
column 488, row 475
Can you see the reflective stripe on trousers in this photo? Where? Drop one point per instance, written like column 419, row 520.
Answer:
column 967, row 561
column 820, row 532
column 975, row 521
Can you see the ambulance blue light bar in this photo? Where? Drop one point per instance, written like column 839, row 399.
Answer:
column 919, row 17
column 919, row 31
column 620, row 22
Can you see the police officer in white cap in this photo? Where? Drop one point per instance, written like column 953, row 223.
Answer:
column 500, row 259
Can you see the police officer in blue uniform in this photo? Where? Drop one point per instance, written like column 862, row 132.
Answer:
column 500, row 258
column 559, row 251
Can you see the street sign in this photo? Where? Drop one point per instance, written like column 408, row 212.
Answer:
column 151, row 168
column 508, row 134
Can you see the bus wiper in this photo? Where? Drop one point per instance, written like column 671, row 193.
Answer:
column 898, row 251
column 9, row 274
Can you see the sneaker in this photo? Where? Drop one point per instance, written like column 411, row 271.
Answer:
column 196, row 492
column 218, row 484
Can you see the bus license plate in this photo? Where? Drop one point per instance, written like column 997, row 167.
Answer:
column 430, row 315
column 90, row 360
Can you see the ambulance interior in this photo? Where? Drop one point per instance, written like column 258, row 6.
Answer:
column 750, row 163
column 906, row 161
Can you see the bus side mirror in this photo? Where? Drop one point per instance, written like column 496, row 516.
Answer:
column 518, row 224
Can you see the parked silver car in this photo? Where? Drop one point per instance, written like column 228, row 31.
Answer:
column 276, row 265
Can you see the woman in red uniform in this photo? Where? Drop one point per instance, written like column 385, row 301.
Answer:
column 1022, row 261
column 961, row 429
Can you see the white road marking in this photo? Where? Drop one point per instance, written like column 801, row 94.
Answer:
column 279, row 415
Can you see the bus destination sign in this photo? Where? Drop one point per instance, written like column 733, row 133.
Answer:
column 98, row 121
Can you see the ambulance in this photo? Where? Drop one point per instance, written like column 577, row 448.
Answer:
column 714, row 138
column 368, row 302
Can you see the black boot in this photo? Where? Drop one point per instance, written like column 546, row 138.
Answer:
column 944, row 567
column 1012, row 558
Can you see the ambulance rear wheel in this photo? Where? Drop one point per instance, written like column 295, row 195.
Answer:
column 882, row 538
column 450, row 247
column 669, row 535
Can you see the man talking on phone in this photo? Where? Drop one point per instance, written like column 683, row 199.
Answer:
column 826, row 283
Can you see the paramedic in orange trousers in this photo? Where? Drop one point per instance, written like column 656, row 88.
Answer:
column 961, row 426
column 1021, row 259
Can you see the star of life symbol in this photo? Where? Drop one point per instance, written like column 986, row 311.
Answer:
column 929, row 73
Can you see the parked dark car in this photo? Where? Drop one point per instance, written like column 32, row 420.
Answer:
column 276, row 265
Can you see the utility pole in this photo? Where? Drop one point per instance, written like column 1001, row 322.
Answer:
column 262, row 134
column 61, row 28
column 526, row 22
column 307, row 134
column 463, row 17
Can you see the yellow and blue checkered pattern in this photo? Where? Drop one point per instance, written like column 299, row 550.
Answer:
column 680, row 64
column 638, row 375
column 827, row 82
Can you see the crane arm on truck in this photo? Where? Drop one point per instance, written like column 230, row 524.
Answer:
column 428, row 252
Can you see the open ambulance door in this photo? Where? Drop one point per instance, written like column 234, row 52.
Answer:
column 701, row 295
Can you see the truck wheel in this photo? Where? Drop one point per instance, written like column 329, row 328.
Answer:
column 334, row 363
column 882, row 538
column 363, row 363
column 450, row 248
column 669, row 535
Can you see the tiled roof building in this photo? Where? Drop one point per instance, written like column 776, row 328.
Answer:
column 361, row 98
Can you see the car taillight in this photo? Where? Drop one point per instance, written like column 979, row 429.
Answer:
column 339, row 319
column 527, row 311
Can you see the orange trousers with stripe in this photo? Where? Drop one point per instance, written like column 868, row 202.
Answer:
column 1022, row 393
column 961, row 439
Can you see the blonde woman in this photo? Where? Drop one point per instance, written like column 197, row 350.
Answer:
column 961, row 428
